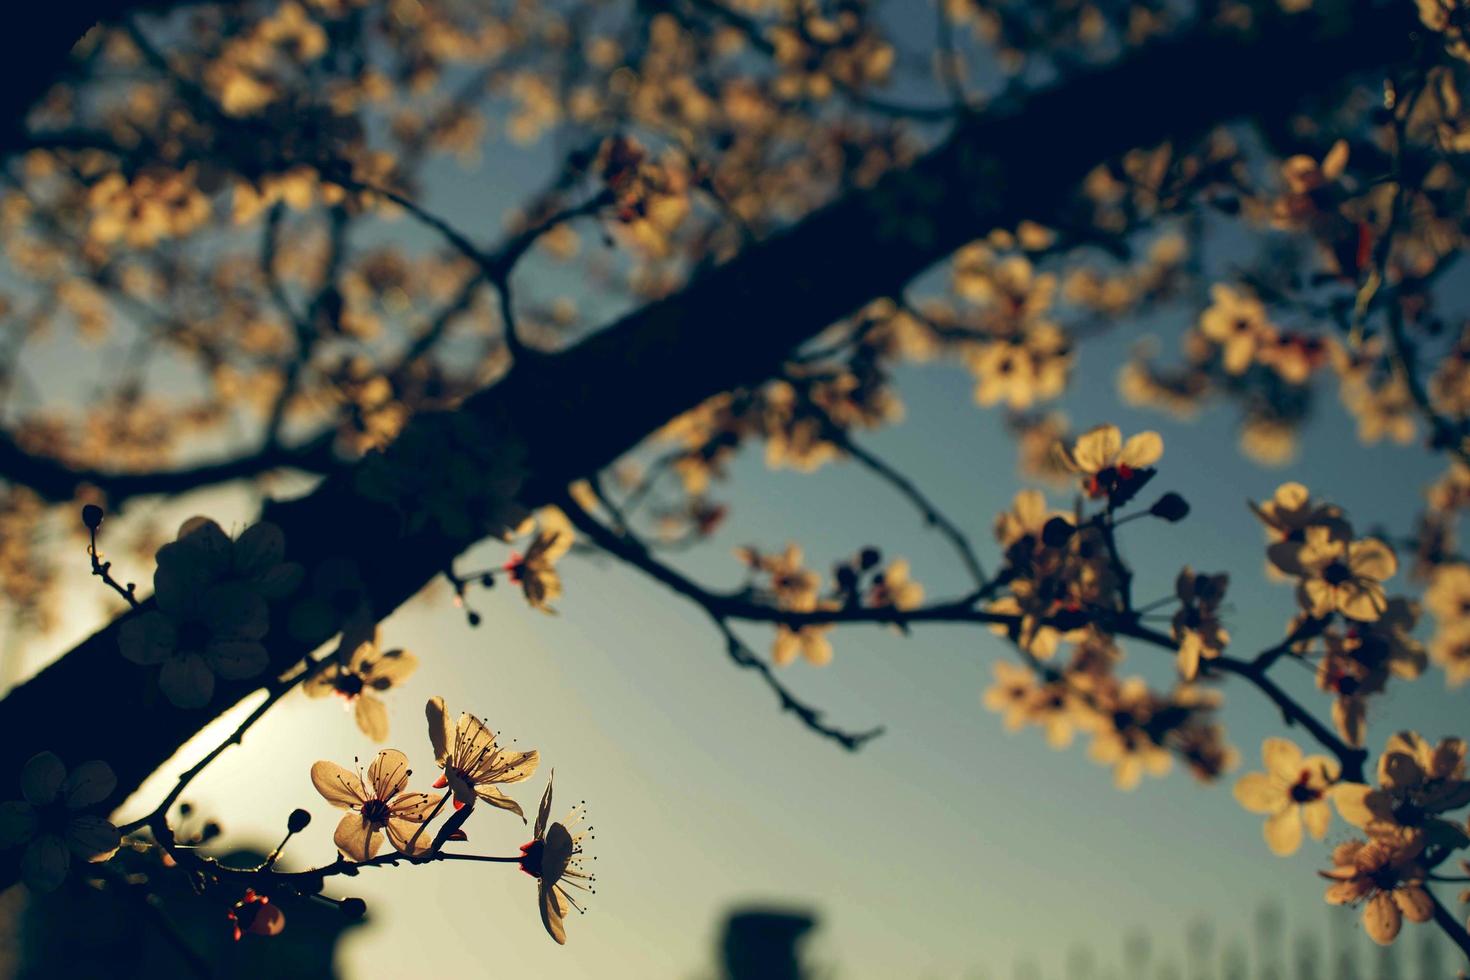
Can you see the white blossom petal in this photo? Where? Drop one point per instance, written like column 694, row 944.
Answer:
column 338, row 786
column 388, row 774
column 357, row 838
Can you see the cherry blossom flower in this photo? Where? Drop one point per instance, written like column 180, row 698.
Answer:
column 1344, row 576
column 554, row 858
column 1417, row 782
column 1287, row 516
column 212, row 596
column 809, row 642
column 1054, row 706
column 365, row 672
column 1306, row 181
column 1125, row 735
column 1293, row 791
column 52, row 822
column 535, row 571
column 1023, row 369
column 379, row 804
column 1385, row 877
column 1448, row 595
column 1197, row 627
column 1237, row 321
column 1109, row 466
column 473, row 763
column 893, row 587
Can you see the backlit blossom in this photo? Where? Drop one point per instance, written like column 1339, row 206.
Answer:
column 1291, row 510
column 1126, row 735
column 1026, row 519
column 554, row 858
column 1418, row 782
column 381, row 804
column 1236, row 321
column 1344, row 576
column 1197, row 627
column 1021, row 370
column 1109, row 466
column 1292, row 791
column 808, row 641
column 357, row 679
column 52, row 820
column 535, row 571
column 1386, row 878
column 1448, row 595
column 893, row 587
column 1307, row 182
column 473, row 762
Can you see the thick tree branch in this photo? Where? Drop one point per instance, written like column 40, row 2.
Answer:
column 59, row 482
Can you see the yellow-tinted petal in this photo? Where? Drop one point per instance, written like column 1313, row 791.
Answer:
column 357, row 838
column 1283, row 759
column 1142, row 450
column 1317, row 815
column 1371, row 558
column 338, row 786
column 1351, row 802
column 1097, row 448
column 552, row 912
column 439, row 733
column 499, row 800
column 1363, row 600
column 1283, row 832
column 1382, row 919
column 1414, row 902
column 388, row 774
column 371, row 716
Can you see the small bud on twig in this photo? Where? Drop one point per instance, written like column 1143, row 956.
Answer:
column 1170, row 507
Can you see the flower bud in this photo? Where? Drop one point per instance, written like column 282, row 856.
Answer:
column 869, row 557
column 353, row 908
column 298, row 821
column 92, row 516
column 1056, row 532
column 1170, row 507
